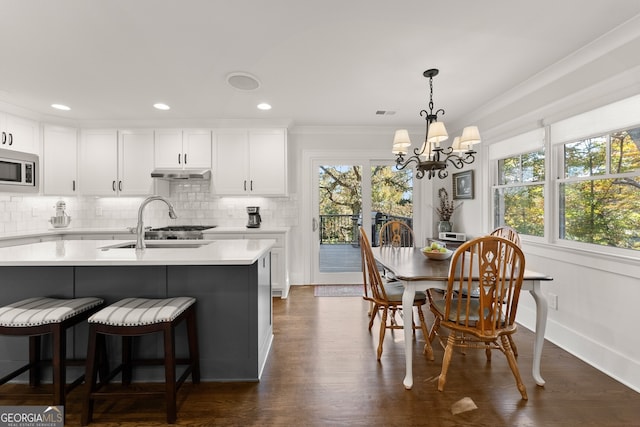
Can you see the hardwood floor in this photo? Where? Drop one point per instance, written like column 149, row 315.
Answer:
column 323, row 371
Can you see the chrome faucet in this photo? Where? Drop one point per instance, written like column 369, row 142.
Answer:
column 140, row 246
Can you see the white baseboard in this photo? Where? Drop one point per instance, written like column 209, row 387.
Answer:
column 618, row 366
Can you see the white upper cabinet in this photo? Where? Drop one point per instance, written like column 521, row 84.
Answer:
column 60, row 161
column 268, row 162
column 231, row 165
column 98, row 167
column 184, row 149
column 116, row 163
column 19, row 134
column 250, row 162
column 135, row 162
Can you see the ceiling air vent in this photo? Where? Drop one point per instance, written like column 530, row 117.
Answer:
column 243, row 81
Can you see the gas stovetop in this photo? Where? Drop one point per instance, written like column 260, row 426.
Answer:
column 177, row 232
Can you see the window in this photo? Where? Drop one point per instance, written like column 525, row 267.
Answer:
column 600, row 190
column 518, row 198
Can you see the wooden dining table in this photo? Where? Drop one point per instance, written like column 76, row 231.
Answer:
column 417, row 273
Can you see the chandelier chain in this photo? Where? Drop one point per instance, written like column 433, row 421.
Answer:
column 431, row 95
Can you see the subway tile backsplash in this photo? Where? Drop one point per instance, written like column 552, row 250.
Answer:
column 192, row 200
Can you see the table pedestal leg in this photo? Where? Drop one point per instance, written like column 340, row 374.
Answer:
column 407, row 308
column 541, row 324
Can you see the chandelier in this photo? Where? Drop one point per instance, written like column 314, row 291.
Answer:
column 431, row 159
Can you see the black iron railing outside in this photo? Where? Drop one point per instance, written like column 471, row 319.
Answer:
column 343, row 229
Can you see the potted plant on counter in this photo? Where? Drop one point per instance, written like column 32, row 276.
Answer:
column 445, row 210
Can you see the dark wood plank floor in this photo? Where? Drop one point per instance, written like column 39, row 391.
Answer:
column 323, row 371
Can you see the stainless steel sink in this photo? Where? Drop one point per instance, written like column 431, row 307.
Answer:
column 160, row 244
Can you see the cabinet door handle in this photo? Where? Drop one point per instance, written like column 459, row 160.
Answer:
column 73, row 185
column 251, row 186
column 119, row 185
column 4, row 138
column 185, row 158
column 113, row 186
column 179, row 158
column 245, row 185
column 10, row 139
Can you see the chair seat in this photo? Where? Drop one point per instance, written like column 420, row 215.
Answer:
column 142, row 311
column 440, row 304
column 42, row 310
column 394, row 292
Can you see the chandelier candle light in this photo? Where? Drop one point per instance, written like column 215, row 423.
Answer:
column 431, row 159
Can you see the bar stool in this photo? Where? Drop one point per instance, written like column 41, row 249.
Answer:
column 35, row 317
column 135, row 317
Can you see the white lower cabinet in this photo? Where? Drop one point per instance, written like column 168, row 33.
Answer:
column 279, row 259
column 99, row 236
column 27, row 240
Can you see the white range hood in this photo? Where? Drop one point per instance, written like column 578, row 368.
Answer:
column 181, row 173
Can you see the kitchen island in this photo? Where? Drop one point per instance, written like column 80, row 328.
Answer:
column 231, row 280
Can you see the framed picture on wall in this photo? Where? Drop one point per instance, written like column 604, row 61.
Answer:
column 463, row 185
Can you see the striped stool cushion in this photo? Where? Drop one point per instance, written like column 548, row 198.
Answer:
column 41, row 311
column 142, row 311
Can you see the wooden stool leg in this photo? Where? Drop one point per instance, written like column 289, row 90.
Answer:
column 127, row 370
column 103, row 358
column 194, row 352
column 90, row 375
column 170, row 372
column 34, row 360
column 59, row 337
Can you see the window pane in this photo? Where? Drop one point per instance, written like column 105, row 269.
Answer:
column 509, row 170
column 625, row 151
column 340, row 189
column 585, row 158
column 392, row 191
column 601, row 211
column 391, row 197
column 533, row 167
column 527, row 167
column 521, row 208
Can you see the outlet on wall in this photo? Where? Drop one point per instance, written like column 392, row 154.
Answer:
column 98, row 211
column 553, row 301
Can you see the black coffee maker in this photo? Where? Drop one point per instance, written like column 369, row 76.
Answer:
column 254, row 217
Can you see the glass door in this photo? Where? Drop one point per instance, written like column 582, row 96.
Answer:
column 391, row 197
column 349, row 195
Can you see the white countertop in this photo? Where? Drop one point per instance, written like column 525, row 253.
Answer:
column 103, row 253
column 71, row 231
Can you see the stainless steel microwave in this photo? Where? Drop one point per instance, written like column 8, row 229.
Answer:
column 18, row 172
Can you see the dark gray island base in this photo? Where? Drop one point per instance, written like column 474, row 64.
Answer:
column 234, row 310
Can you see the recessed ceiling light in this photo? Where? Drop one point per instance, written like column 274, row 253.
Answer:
column 243, row 81
column 60, row 107
column 161, row 106
column 264, row 106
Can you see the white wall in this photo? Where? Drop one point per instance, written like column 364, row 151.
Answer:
column 598, row 294
column 596, row 315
